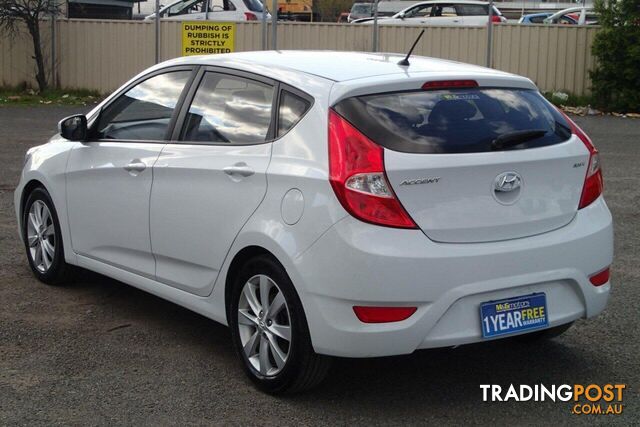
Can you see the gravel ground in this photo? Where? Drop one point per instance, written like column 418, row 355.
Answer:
column 100, row 352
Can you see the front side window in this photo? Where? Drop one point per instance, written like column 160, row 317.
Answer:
column 187, row 7
column 221, row 5
column 419, row 12
column 229, row 109
column 143, row 112
column 254, row 5
column 444, row 10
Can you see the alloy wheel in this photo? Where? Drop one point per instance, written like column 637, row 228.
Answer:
column 264, row 325
column 41, row 236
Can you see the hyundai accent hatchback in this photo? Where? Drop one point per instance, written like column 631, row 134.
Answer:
column 328, row 204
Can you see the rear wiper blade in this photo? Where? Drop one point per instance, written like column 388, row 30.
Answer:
column 518, row 137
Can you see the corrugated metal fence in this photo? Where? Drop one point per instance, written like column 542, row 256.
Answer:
column 101, row 55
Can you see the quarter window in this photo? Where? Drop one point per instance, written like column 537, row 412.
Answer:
column 229, row 109
column 143, row 112
column 292, row 108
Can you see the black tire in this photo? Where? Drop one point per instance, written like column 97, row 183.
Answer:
column 59, row 271
column 303, row 369
column 545, row 334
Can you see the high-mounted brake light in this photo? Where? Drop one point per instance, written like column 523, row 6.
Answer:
column 593, row 182
column 358, row 178
column 250, row 16
column 383, row 314
column 449, row 84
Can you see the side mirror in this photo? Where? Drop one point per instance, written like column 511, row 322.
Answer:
column 401, row 16
column 74, row 128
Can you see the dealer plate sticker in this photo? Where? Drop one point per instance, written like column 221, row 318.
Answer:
column 512, row 315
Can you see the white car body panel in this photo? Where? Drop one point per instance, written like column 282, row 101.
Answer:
column 197, row 209
column 461, row 206
column 334, row 260
column 113, row 228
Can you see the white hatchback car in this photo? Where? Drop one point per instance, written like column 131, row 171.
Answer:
column 212, row 10
column 328, row 204
column 442, row 13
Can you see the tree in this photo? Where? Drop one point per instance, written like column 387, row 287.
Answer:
column 616, row 77
column 16, row 13
column 329, row 10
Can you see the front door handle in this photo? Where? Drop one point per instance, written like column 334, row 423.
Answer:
column 136, row 166
column 241, row 169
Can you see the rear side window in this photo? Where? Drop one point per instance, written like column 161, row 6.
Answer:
column 229, row 109
column 472, row 9
column 292, row 108
column 455, row 121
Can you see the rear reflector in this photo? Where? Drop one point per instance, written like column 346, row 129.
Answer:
column 383, row 314
column 449, row 84
column 601, row 278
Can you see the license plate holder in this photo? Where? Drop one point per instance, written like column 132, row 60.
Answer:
column 512, row 315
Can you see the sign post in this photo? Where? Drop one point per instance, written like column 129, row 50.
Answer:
column 206, row 38
column 490, row 35
column 274, row 23
column 375, row 26
column 157, row 25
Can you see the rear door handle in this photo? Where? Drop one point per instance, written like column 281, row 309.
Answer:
column 241, row 169
column 136, row 165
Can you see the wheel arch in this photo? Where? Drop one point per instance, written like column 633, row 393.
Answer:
column 26, row 190
column 239, row 259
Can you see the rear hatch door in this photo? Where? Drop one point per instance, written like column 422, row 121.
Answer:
column 475, row 164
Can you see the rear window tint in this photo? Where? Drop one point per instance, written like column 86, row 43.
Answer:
column 454, row 121
column 472, row 9
column 292, row 108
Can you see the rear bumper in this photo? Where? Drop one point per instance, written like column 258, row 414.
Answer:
column 360, row 264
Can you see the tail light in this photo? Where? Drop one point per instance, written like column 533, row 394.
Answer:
column 593, row 183
column 497, row 19
column 600, row 278
column 250, row 16
column 383, row 314
column 358, row 178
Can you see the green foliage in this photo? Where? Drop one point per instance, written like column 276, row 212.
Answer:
column 573, row 100
column 616, row 77
column 329, row 10
column 21, row 95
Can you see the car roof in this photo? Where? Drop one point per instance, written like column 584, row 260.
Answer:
column 533, row 15
column 572, row 10
column 449, row 2
column 324, row 64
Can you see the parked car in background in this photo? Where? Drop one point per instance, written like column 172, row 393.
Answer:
column 343, row 18
column 580, row 15
column 215, row 10
column 361, row 10
column 443, row 13
column 538, row 18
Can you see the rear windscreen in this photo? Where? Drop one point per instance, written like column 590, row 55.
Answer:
column 456, row 121
column 253, row 5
